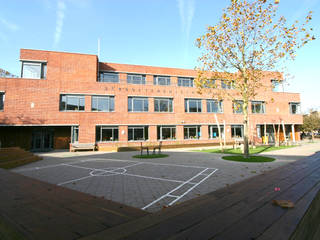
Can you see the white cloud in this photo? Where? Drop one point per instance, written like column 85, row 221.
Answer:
column 61, row 8
column 9, row 25
column 186, row 12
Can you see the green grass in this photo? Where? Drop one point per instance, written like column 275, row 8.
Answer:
column 151, row 156
column 240, row 158
column 256, row 150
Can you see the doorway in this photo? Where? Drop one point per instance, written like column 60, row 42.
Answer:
column 42, row 140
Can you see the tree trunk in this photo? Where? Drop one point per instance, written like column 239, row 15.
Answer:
column 246, row 132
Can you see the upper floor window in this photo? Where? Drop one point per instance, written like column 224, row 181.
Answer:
column 277, row 86
column 237, row 106
column 294, row 108
column 1, row 100
column 107, row 133
column 227, row 84
column 258, row 107
column 36, row 70
column 72, row 102
column 136, row 79
column 102, row 103
column 192, row 105
column 185, row 82
column 209, row 83
column 214, row 106
column 161, row 80
column 109, row 77
column 138, row 104
column 163, row 105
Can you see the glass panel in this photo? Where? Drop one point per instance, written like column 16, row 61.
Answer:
column 130, row 134
column 186, row 133
column 111, row 104
column 145, row 102
column 1, row 101
column 81, row 103
column 193, row 106
column 192, row 132
column 164, row 105
column 137, row 105
column 72, row 103
column 109, row 77
column 238, row 107
column 130, row 105
column 138, row 134
column 107, row 135
column 115, row 134
column 94, row 104
column 63, row 101
column 166, row 133
column 74, row 134
column 31, row 70
column 103, row 104
column 44, row 71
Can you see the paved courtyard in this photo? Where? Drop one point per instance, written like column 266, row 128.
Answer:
column 151, row 184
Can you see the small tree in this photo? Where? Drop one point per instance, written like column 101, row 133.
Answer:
column 311, row 123
column 248, row 41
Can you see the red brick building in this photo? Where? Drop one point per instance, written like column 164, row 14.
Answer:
column 69, row 97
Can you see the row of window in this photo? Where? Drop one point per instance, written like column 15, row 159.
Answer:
column 138, row 133
column 141, row 104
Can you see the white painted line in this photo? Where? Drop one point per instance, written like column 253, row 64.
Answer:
column 74, row 180
column 154, row 178
column 169, row 193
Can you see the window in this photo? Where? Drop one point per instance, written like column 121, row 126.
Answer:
column 161, row 80
column 137, row 133
column 1, row 101
column 237, row 106
column 192, row 105
column 163, row 105
column 136, row 79
column 109, row 77
column 214, row 106
column 74, row 134
column 72, row 103
column 35, row 70
column 137, row 104
column 214, row 131
column 192, row 132
column 237, row 131
column 227, row 84
column 107, row 133
column 102, row 103
column 258, row 107
column 166, row 132
column 185, row 82
column 277, row 86
column 294, row 108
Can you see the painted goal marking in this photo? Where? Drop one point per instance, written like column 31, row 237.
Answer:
column 177, row 198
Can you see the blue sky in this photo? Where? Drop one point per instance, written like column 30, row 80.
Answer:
column 146, row 32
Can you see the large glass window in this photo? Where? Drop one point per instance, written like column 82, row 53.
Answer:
column 72, row 102
column 277, row 86
column 166, row 132
column 294, row 108
column 138, row 133
column 214, row 131
column 1, row 101
column 227, row 84
column 214, row 106
column 35, row 70
column 192, row 105
column 136, row 79
column 107, row 133
column 109, row 77
column 185, row 82
column 138, row 104
column 237, row 131
column 163, row 105
column 161, row 80
column 192, row 132
column 258, row 107
column 237, row 106
column 102, row 103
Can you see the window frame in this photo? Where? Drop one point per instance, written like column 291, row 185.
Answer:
column 110, row 73
column 298, row 108
column 103, row 127
column 42, row 67
column 183, row 80
column 253, row 106
column 233, row 131
column 156, row 80
column 187, row 105
column 2, row 100
column 171, row 127
column 219, row 103
column 66, row 103
column 169, row 104
column 225, row 85
column 145, row 99
column 145, row 132
column 110, row 100
column 210, row 131
column 132, row 81
column 277, row 85
column 198, row 132
column 233, row 107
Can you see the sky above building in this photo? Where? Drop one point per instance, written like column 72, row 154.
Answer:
column 145, row 32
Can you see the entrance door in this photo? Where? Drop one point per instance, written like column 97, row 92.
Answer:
column 42, row 140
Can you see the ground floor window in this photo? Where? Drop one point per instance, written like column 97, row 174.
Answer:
column 192, row 132
column 74, row 134
column 237, row 131
column 136, row 133
column 166, row 132
column 107, row 133
column 214, row 132
column 1, row 100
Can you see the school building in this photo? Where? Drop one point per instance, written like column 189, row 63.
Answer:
column 64, row 98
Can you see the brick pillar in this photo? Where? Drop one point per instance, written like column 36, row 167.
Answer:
column 151, row 104
column 123, row 133
column 179, row 133
column 204, row 132
column 149, row 79
column 174, row 81
column 152, row 133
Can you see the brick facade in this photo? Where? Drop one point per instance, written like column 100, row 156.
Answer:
column 35, row 102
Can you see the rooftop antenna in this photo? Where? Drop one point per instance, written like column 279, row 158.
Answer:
column 98, row 47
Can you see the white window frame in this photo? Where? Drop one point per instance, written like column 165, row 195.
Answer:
column 198, row 130
column 213, row 101
column 113, row 74
column 42, row 67
column 211, row 127
column 113, row 128
column 253, row 106
column 168, row 100
column 140, row 81
column 167, row 79
column 143, row 132
column 233, row 130
column 143, row 99
column 110, row 98
column 298, row 106
column 72, row 95
column 187, row 103
column 185, row 82
column 171, row 132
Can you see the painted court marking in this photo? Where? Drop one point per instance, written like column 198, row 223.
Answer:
column 111, row 171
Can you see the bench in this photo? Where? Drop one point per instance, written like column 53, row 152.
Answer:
column 153, row 147
column 82, row 146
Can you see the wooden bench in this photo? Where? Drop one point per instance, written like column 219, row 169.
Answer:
column 82, row 146
column 153, row 147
